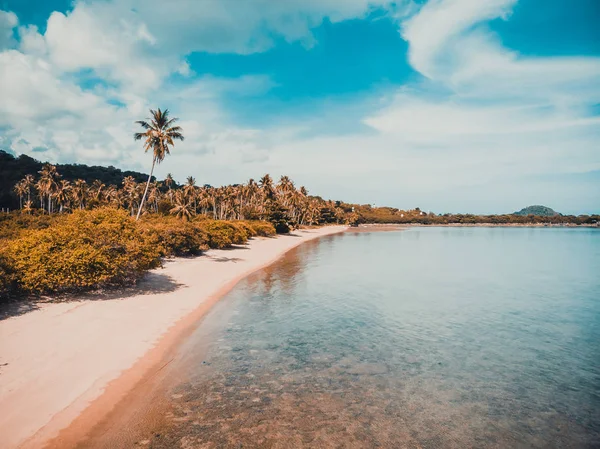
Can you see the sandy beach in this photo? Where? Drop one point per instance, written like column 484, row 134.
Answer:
column 58, row 359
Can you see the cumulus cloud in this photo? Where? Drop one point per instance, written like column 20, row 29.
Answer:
column 8, row 21
column 484, row 116
column 128, row 50
column 450, row 44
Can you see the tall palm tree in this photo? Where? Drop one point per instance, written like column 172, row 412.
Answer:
column 79, row 192
column 190, row 189
column 20, row 190
column 158, row 135
column 63, row 194
column 183, row 207
column 97, row 190
column 131, row 193
column 47, row 183
column 169, row 180
column 24, row 187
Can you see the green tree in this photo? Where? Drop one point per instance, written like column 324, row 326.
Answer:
column 159, row 134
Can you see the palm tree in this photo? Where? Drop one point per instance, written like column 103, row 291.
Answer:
column 23, row 187
column 47, row 183
column 190, row 189
column 79, row 192
column 183, row 207
column 131, row 192
column 63, row 194
column 158, row 136
column 169, row 180
column 20, row 190
column 28, row 207
column 97, row 189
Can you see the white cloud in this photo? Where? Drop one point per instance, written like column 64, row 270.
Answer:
column 116, row 47
column 502, row 116
column 31, row 41
column 449, row 44
column 440, row 22
column 8, row 22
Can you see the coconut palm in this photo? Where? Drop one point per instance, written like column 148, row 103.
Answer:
column 130, row 190
column 183, row 207
column 79, row 192
column 20, row 190
column 28, row 182
column 27, row 208
column 47, row 183
column 158, row 135
column 169, row 180
column 97, row 190
column 63, row 194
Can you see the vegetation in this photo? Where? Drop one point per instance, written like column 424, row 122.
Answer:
column 80, row 251
column 158, row 135
column 74, row 235
column 77, row 227
column 368, row 214
column 538, row 211
column 103, row 247
column 14, row 169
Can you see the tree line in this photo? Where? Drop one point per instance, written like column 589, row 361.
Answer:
column 255, row 200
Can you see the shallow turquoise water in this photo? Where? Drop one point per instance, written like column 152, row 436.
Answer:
column 428, row 337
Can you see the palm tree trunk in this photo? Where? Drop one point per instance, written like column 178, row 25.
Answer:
column 146, row 190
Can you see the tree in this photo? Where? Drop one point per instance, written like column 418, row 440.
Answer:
column 169, row 180
column 20, row 191
column 47, row 184
column 183, row 207
column 63, row 194
column 79, row 192
column 158, row 135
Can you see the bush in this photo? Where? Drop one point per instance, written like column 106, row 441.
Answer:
column 223, row 234
column 174, row 237
column 85, row 250
column 7, row 276
column 12, row 224
column 246, row 228
column 262, row 228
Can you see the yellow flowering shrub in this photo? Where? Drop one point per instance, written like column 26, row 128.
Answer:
column 174, row 237
column 223, row 234
column 261, row 228
column 84, row 250
column 103, row 247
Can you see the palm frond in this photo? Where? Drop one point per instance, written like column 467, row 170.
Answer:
column 143, row 124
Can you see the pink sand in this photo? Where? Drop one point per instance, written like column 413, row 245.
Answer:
column 62, row 356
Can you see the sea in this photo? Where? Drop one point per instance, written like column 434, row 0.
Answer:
column 425, row 337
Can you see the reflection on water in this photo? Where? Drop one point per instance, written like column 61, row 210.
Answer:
column 423, row 338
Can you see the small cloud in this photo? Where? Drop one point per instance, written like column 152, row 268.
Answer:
column 184, row 69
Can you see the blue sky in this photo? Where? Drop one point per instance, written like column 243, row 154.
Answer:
column 448, row 105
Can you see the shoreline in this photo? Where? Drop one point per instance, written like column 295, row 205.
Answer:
column 383, row 226
column 68, row 359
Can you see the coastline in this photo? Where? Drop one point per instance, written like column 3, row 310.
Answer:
column 63, row 358
column 398, row 226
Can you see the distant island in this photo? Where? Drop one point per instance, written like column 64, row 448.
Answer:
column 539, row 211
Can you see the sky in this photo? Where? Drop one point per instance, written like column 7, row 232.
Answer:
column 481, row 106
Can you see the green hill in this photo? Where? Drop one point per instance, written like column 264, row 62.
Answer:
column 540, row 211
column 13, row 169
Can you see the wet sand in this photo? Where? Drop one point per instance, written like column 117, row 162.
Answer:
column 78, row 359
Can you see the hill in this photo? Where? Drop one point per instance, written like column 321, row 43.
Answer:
column 13, row 169
column 539, row 211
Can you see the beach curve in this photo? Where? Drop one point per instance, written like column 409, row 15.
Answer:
column 66, row 358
